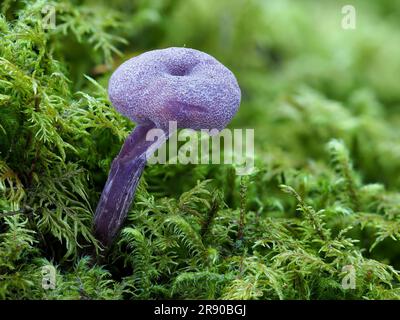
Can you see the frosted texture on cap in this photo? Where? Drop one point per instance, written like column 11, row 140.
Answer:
column 181, row 84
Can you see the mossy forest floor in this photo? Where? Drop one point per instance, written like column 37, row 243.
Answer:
column 323, row 204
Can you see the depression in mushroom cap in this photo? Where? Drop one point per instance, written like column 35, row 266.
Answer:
column 175, row 84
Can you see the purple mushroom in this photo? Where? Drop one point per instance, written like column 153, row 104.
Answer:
column 174, row 84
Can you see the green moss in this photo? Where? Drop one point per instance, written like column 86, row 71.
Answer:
column 323, row 102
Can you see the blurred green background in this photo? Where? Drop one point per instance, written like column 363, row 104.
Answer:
column 304, row 78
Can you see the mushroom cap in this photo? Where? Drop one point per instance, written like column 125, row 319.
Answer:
column 175, row 84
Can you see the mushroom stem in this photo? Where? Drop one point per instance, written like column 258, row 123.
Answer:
column 124, row 175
